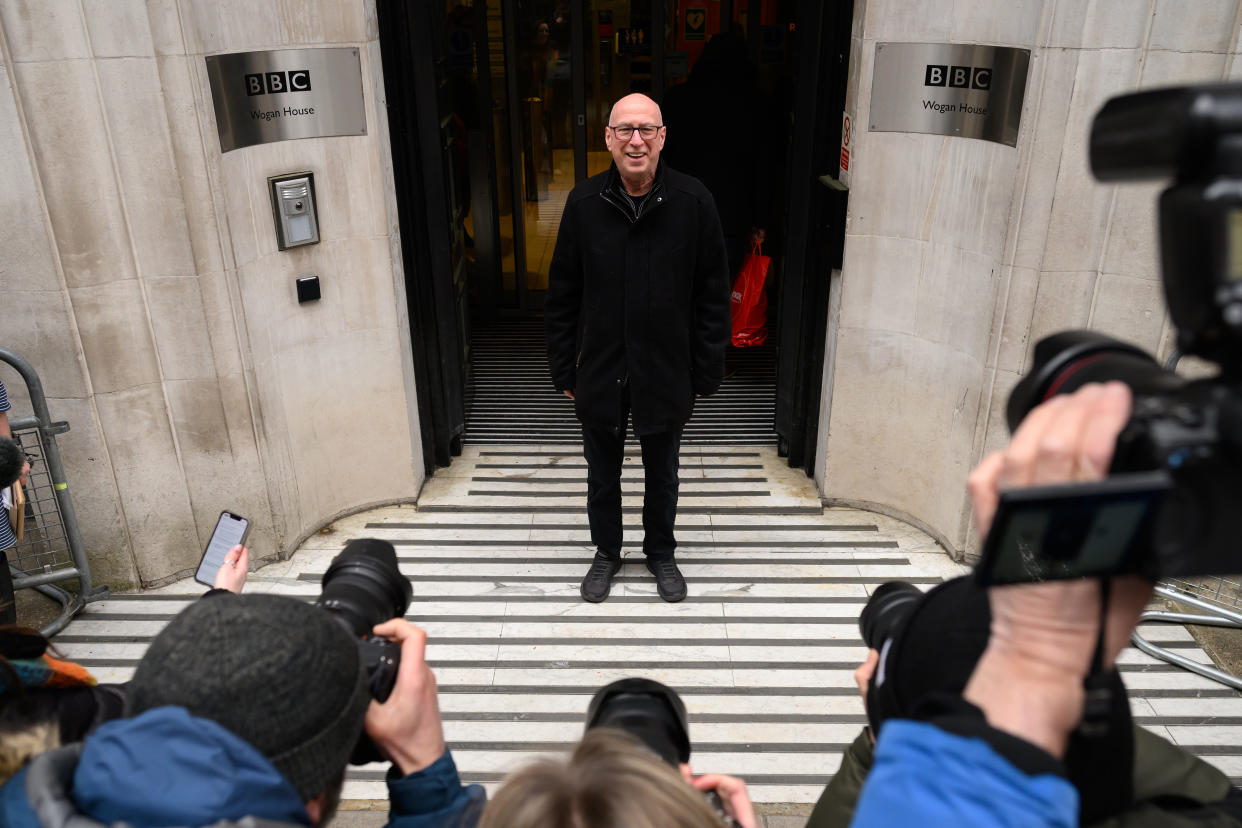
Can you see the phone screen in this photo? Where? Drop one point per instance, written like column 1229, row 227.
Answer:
column 230, row 530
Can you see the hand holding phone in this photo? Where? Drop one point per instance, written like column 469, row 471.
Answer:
column 231, row 531
column 232, row 573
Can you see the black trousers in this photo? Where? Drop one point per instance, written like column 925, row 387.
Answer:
column 605, row 453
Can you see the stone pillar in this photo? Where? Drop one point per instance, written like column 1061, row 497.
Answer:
column 960, row 254
column 157, row 306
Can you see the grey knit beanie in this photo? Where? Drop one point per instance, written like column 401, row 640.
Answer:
column 278, row 672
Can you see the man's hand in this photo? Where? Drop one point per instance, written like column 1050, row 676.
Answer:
column 1029, row 680
column 407, row 727
column 732, row 792
column 568, row 392
column 862, row 676
column 232, row 573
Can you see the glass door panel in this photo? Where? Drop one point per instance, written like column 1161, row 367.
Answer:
column 501, row 149
column 545, row 67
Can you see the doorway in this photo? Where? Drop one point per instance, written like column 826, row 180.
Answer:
column 508, row 104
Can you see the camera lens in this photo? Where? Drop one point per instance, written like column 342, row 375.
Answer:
column 649, row 711
column 1066, row 361
column 888, row 607
column 364, row 587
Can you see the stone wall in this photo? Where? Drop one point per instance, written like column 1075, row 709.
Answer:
column 960, row 254
column 139, row 273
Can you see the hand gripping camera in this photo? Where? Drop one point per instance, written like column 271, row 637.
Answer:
column 1175, row 486
column 364, row 587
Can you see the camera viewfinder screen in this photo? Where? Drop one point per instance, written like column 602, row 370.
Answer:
column 1071, row 531
column 1045, row 544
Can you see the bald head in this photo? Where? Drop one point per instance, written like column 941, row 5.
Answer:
column 636, row 157
column 637, row 99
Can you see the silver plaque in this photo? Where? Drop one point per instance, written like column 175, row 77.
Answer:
column 287, row 93
column 949, row 89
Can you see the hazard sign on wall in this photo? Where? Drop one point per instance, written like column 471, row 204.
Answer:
column 847, row 148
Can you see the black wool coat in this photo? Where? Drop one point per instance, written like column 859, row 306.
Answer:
column 643, row 304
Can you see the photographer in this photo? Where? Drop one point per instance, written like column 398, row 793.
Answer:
column 993, row 756
column 250, row 707
column 630, row 770
column 613, row 780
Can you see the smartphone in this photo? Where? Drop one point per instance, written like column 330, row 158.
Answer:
column 231, row 530
column 1075, row 530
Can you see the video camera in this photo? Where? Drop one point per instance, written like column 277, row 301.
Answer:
column 1176, row 475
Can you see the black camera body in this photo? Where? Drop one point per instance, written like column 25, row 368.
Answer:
column 363, row 587
column 1190, row 432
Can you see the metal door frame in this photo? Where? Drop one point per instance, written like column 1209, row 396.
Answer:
column 815, row 221
column 409, row 54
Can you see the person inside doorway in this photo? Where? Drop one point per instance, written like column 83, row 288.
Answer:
column 745, row 188
column 637, row 318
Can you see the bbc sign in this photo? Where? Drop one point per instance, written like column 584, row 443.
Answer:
column 958, row 77
column 274, row 83
column 965, row 90
column 269, row 96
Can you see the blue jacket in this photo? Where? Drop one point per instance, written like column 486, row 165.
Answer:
column 926, row 776
column 167, row 767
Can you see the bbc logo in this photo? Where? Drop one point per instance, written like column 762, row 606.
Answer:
column 958, row 77
column 273, row 83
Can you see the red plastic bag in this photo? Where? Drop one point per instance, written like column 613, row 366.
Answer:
column 749, row 308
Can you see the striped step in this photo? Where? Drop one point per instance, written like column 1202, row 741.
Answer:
column 511, row 398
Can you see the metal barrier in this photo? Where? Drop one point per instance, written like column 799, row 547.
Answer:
column 51, row 550
column 1220, row 598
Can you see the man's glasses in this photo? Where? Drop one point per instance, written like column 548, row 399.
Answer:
column 625, row 133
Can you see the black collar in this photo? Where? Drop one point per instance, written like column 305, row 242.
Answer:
column 633, row 207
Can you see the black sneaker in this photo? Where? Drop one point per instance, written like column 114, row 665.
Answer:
column 669, row 583
column 598, row 579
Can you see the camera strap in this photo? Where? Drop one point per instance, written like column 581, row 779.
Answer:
column 1098, row 694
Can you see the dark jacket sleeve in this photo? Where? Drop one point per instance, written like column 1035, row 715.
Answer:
column 433, row 798
column 711, row 302
column 563, row 302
